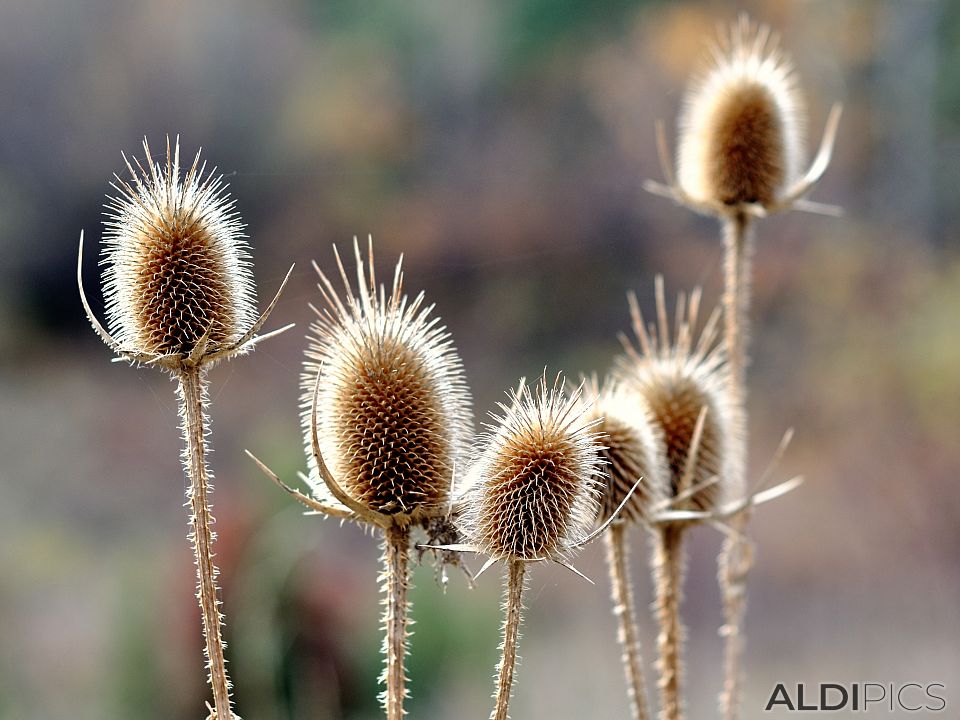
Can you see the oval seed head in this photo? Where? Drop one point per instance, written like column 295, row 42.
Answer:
column 177, row 264
column 393, row 408
column 534, row 489
column 684, row 380
column 741, row 128
column 634, row 450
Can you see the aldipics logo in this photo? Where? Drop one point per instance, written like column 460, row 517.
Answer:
column 862, row 697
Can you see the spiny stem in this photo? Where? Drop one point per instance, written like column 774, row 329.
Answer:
column 513, row 609
column 736, row 556
column 737, row 260
column 396, row 583
column 192, row 396
column 621, row 591
column 668, row 569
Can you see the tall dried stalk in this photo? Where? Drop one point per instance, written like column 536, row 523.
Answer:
column 668, row 571
column 396, row 584
column 736, row 556
column 621, row 592
column 512, row 617
column 202, row 536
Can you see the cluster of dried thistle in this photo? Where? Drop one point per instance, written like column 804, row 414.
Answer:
column 387, row 421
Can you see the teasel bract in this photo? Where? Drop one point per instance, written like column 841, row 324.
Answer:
column 179, row 295
column 634, row 452
column 681, row 376
column 532, row 494
column 387, row 421
column 740, row 158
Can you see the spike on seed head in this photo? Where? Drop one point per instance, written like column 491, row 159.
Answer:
column 681, row 378
column 634, row 450
column 741, row 128
column 534, row 489
column 177, row 266
column 393, row 410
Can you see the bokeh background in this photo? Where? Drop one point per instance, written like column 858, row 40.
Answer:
column 501, row 147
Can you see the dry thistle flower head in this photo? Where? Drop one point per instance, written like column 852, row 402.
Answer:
column 742, row 133
column 177, row 265
column 683, row 380
column 533, row 491
column 393, row 407
column 741, row 130
column 634, row 449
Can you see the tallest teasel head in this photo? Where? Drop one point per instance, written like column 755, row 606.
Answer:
column 177, row 269
column 741, row 130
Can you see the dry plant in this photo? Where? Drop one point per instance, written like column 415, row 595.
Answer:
column 386, row 419
column 634, row 451
column 681, row 379
column 741, row 147
column 386, row 412
column 180, row 296
column 532, row 494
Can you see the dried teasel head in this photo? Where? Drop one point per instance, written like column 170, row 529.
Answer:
column 683, row 380
column 742, row 134
column 634, row 450
column 742, row 125
column 534, row 489
column 392, row 404
column 177, row 268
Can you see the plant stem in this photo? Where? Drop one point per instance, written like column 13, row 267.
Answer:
column 192, row 395
column 396, row 583
column 737, row 261
column 668, row 569
column 623, row 608
column 736, row 556
column 513, row 609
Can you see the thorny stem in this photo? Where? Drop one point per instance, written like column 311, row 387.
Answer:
column 738, row 254
column 396, row 583
column 621, row 592
column 736, row 555
column 203, row 536
column 513, row 609
column 736, row 559
column 668, row 569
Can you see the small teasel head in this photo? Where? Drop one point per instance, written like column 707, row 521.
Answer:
column 634, row 450
column 392, row 405
column 534, row 489
column 683, row 379
column 742, row 124
column 177, row 267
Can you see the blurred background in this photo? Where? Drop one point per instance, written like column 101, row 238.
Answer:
column 501, row 147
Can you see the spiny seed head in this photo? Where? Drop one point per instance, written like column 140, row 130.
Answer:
column 393, row 407
column 534, row 488
column 634, row 450
column 176, row 263
column 741, row 128
column 680, row 378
